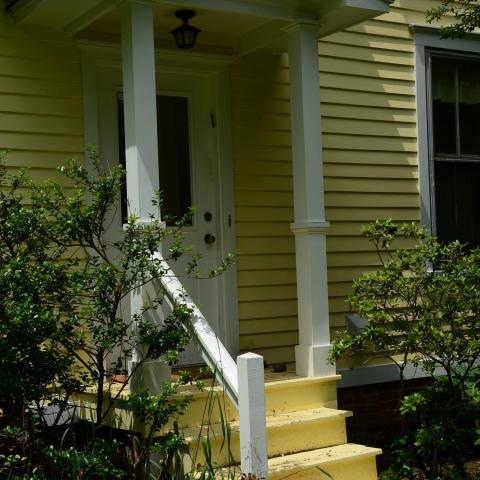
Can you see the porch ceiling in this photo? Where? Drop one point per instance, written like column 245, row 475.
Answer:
column 231, row 26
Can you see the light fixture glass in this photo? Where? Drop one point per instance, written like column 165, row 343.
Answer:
column 185, row 35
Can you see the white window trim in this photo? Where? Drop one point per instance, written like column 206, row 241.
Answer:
column 427, row 37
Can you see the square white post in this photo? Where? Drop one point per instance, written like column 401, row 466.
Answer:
column 141, row 151
column 310, row 226
column 139, row 103
column 251, row 405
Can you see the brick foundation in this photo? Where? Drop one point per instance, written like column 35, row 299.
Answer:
column 376, row 421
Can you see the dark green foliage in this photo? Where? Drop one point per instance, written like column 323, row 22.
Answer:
column 36, row 313
column 423, row 308
column 439, row 432
column 62, row 286
column 466, row 15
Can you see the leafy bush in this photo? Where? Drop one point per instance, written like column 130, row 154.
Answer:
column 62, row 285
column 423, row 308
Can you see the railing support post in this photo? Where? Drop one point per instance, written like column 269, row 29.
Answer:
column 251, row 403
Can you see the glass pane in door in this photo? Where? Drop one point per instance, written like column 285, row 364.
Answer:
column 173, row 155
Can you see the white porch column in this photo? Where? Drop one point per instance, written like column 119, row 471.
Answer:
column 139, row 100
column 310, row 226
column 141, row 151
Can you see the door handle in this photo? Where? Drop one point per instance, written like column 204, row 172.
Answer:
column 209, row 239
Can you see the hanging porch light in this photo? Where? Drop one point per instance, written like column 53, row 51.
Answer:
column 185, row 35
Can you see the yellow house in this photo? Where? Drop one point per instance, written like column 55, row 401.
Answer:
column 279, row 170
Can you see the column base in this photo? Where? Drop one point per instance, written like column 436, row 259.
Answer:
column 151, row 375
column 311, row 361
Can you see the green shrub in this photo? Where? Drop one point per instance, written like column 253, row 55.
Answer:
column 423, row 308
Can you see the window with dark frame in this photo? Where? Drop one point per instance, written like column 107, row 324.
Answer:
column 454, row 93
column 173, row 156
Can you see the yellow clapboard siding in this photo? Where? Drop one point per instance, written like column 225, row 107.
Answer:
column 35, row 159
column 266, row 261
column 338, row 305
column 266, row 277
column 68, row 107
column 261, row 214
column 282, row 292
column 267, row 309
column 379, row 114
column 265, row 183
column 263, row 229
column 263, row 66
column 283, row 354
column 360, row 258
column 378, row 27
column 336, row 184
column 255, row 88
column 340, row 289
column 366, row 69
column 39, row 49
column 365, row 84
column 371, row 171
column 369, row 157
column 33, row 141
column 366, row 127
column 365, row 215
column 263, row 198
column 274, row 121
column 345, row 229
column 41, row 69
column 365, row 40
column 371, row 165
column 267, row 325
column 366, row 54
column 409, row 17
column 258, row 167
column 346, row 199
column 253, row 105
column 265, row 245
column 347, row 97
column 363, row 142
column 268, row 340
column 13, row 122
column 419, row 5
column 355, row 244
column 260, row 137
column 46, row 88
column 244, row 152
column 347, row 274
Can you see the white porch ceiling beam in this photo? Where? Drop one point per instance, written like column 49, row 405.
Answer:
column 90, row 16
column 330, row 16
column 310, row 226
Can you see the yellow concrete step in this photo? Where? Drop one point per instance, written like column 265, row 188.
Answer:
column 286, row 433
column 342, row 462
column 283, row 393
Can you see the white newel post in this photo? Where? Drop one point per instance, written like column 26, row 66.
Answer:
column 141, row 150
column 251, row 406
column 309, row 226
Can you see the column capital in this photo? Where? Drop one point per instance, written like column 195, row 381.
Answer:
column 122, row 3
column 302, row 24
column 313, row 227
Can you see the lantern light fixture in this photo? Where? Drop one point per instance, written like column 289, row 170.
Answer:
column 185, row 35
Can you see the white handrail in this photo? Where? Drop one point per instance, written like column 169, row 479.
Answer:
column 250, row 402
column 212, row 349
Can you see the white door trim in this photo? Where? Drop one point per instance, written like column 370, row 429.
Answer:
column 218, row 69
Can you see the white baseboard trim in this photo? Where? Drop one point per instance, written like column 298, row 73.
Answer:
column 354, row 377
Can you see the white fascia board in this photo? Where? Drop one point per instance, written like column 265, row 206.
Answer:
column 331, row 16
column 24, row 8
column 57, row 14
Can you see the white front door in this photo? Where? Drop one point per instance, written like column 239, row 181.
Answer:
column 188, row 161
